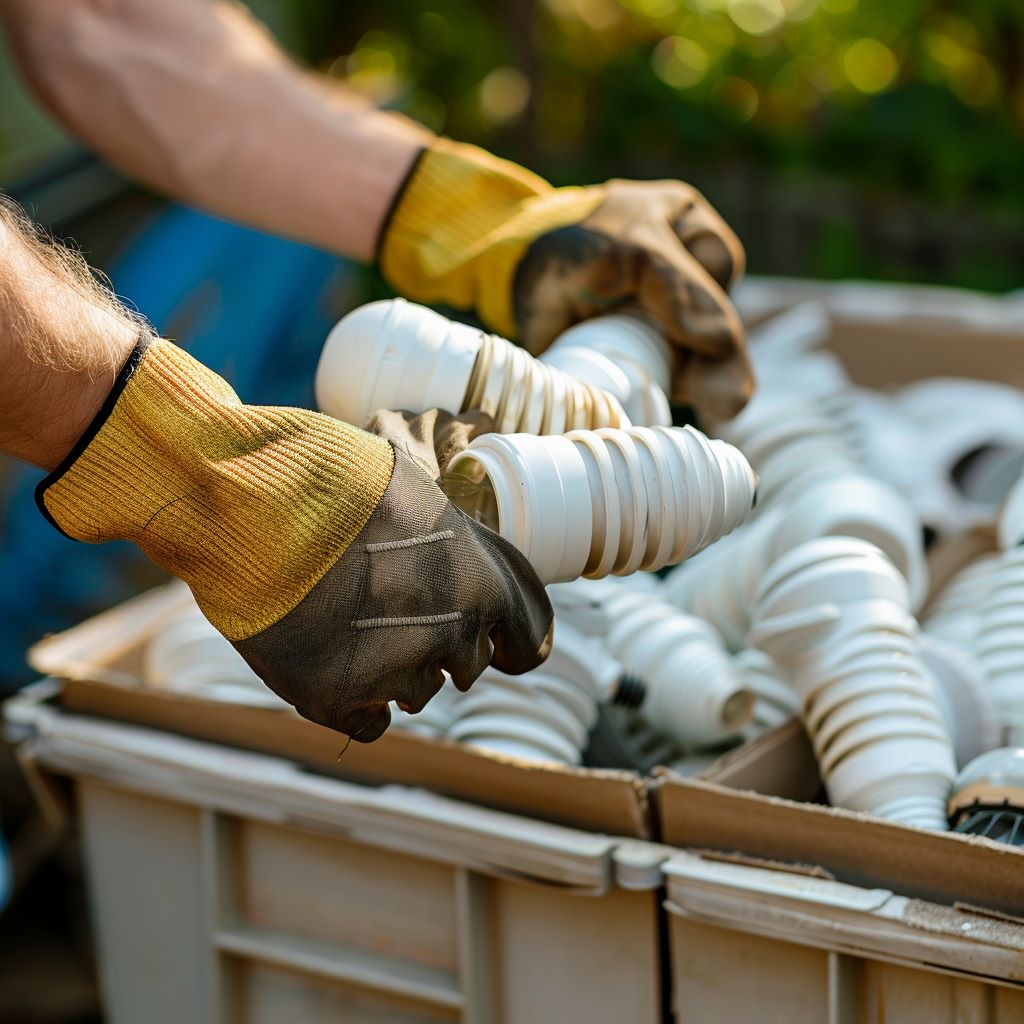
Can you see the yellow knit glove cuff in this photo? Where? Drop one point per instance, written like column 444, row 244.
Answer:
column 463, row 223
column 249, row 505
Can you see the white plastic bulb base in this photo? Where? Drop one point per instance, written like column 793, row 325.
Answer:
column 592, row 503
column 995, row 777
column 397, row 355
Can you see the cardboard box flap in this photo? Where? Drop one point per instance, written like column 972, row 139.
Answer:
column 100, row 664
column 942, row 867
column 601, row 800
column 105, row 644
column 780, row 761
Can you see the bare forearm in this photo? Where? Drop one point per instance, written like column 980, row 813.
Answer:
column 63, row 339
column 195, row 99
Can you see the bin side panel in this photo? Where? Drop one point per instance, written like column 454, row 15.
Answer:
column 144, row 866
column 564, row 957
column 354, row 895
column 269, row 995
column 723, row 975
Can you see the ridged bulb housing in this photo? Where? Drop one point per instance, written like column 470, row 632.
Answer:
column 834, row 615
column 435, row 718
column 999, row 643
column 546, row 714
column 954, row 614
column 635, row 348
column 720, row 584
column 695, row 694
column 188, row 655
column 776, row 702
column 393, row 354
column 590, row 503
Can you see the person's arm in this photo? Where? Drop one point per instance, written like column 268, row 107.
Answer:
column 327, row 555
column 63, row 339
column 194, row 98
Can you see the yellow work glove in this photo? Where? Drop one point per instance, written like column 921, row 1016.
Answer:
column 478, row 233
column 328, row 556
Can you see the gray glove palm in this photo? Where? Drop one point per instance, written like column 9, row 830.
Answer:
column 422, row 590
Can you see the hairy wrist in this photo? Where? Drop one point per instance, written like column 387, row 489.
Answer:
column 63, row 338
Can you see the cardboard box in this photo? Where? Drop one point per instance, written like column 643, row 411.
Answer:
column 750, row 804
column 100, row 665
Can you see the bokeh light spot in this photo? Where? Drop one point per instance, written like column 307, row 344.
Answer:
column 869, row 65
column 504, row 94
column 681, row 63
column 737, row 97
column 757, row 17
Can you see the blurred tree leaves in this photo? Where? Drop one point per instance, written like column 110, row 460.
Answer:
column 892, row 131
column 841, row 137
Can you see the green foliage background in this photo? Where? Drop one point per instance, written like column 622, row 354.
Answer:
column 874, row 138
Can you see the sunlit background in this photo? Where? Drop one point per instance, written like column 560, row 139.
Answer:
column 880, row 138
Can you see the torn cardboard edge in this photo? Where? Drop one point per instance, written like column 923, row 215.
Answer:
column 99, row 664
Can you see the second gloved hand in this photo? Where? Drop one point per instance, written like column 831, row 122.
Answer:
column 328, row 556
column 482, row 234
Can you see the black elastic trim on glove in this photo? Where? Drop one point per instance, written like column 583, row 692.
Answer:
column 389, row 216
column 124, row 375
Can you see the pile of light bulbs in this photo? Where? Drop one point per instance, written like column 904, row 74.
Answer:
column 806, row 608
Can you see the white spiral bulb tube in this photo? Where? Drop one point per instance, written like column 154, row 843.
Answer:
column 790, row 442
column 393, row 354
column 790, row 335
column 999, row 643
column 591, row 503
column 834, row 615
column 952, row 446
column 635, row 347
column 861, row 427
column 1011, row 517
column 546, row 714
column 954, row 614
column 962, row 697
column 721, row 583
column 972, row 434
column 694, row 693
